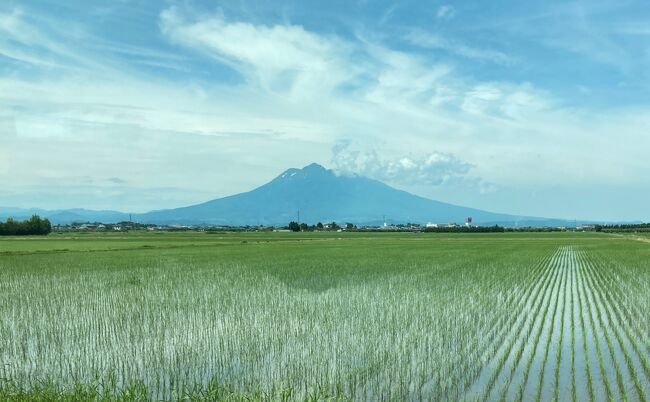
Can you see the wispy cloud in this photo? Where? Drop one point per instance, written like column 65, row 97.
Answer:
column 506, row 100
column 430, row 40
column 597, row 33
column 446, row 12
column 399, row 78
column 279, row 57
column 43, row 42
column 390, row 11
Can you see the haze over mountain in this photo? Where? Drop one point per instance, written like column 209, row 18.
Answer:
column 317, row 194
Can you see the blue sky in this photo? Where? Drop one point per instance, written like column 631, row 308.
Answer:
column 536, row 108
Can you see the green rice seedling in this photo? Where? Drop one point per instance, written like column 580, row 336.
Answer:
column 599, row 354
column 585, row 352
column 321, row 317
column 606, row 306
column 547, row 347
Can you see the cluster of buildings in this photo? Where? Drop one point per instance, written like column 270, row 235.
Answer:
column 116, row 227
column 411, row 227
column 126, row 226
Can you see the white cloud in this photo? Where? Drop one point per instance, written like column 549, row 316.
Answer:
column 446, row 12
column 431, row 168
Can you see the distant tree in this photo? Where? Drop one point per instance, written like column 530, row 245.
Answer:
column 349, row 226
column 334, row 226
column 319, row 226
column 294, row 226
column 8, row 228
column 304, row 227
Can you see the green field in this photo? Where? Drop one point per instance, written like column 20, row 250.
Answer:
column 325, row 316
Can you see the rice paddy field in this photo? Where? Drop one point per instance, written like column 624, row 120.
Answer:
column 338, row 316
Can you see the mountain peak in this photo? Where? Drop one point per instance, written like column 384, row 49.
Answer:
column 314, row 167
column 311, row 170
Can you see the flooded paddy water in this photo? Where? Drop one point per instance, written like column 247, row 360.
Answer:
column 574, row 341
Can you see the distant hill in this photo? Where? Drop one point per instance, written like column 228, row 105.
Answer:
column 318, row 193
column 64, row 216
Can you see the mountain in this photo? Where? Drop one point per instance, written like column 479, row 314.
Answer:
column 64, row 216
column 320, row 195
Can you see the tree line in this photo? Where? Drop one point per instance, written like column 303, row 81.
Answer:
column 631, row 227
column 303, row 227
column 33, row 226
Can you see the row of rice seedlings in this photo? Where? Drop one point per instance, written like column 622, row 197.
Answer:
column 572, row 286
column 503, row 313
column 535, row 342
column 533, row 385
column 501, row 328
column 625, row 319
column 609, row 369
column 449, row 386
column 538, row 282
column 621, row 307
column 639, row 346
column 600, row 375
column 513, row 350
column 629, row 301
column 608, row 312
column 632, row 268
column 617, row 350
column 487, row 380
column 516, row 349
column 542, row 371
column 586, row 390
column 537, row 325
column 138, row 392
column 631, row 368
column 586, row 355
column 493, row 339
column 561, row 344
column 565, row 351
